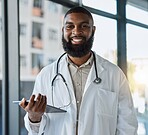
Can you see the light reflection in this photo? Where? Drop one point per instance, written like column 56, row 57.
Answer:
column 141, row 75
column 141, row 129
column 139, row 102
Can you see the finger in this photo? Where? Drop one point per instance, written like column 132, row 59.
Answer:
column 43, row 104
column 31, row 102
column 38, row 100
column 23, row 103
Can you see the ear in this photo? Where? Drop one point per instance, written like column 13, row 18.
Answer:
column 62, row 29
column 94, row 29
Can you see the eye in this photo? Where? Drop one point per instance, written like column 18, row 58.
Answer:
column 85, row 26
column 69, row 27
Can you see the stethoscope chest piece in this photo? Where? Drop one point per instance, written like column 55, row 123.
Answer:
column 97, row 80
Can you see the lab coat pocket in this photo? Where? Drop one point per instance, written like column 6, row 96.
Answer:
column 107, row 102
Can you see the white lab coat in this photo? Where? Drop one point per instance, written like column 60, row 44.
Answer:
column 106, row 108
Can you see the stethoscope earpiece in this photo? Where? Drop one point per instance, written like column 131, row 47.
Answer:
column 97, row 80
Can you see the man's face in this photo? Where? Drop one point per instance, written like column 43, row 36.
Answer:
column 78, row 34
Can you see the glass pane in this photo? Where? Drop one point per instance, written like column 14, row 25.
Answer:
column 105, row 5
column 40, row 42
column 137, row 56
column 0, row 68
column 37, row 8
column 105, row 40
column 137, row 14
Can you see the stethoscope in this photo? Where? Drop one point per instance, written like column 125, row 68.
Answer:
column 58, row 74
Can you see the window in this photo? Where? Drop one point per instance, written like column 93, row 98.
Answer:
column 37, row 8
column 137, row 14
column 23, row 29
column 37, row 3
column 52, row 7
column 24, row 2
column 42, row 45
column 137, row 57
column 37, row 63
column 37, row 35
column 53, row 34
column 105, row 5
column 23, row 61
column 105, row 38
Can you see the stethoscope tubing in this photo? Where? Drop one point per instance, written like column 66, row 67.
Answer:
column 97, row 79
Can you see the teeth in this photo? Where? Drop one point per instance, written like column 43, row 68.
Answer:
column 77, row 40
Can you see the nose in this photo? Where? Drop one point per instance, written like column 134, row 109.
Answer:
column 77, row 31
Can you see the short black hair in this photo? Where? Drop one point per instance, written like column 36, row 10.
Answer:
column 79, row 9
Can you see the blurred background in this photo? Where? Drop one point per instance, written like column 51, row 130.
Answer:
column 30, row 38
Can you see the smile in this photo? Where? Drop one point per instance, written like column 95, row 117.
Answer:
column 77, row 40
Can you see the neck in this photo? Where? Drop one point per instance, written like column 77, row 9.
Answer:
column 80, row 60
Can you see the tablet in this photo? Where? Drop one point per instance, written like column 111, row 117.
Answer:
column 49, row 108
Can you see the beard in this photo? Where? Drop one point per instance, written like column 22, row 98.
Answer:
column 79, row 50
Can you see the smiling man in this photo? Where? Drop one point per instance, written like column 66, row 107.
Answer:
column 93, row 92
column 78, row 33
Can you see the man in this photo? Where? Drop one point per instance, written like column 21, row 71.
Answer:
column 93, row 92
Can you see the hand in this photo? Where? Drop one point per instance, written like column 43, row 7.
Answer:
column 34, row 108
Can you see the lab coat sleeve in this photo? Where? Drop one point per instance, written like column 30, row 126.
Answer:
column 39, row 87
column 126, row 120
column 41, row 127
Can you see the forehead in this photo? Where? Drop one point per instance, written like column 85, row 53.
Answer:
column 77, row 18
